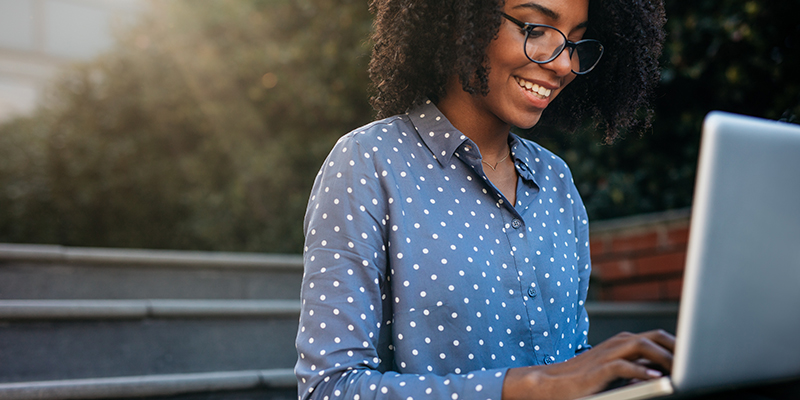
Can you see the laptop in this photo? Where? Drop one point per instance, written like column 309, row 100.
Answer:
column 739, row 318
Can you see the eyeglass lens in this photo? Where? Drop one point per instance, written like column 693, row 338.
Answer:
column 545, row 43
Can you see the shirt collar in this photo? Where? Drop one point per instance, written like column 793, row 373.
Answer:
column 522, row 155
column 443, row 139
column 438, row 134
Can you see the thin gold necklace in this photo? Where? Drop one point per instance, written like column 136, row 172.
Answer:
column 497, row 163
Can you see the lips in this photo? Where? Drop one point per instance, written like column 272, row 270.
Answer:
column 536, row 89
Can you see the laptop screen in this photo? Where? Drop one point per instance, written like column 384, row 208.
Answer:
column 739, row 319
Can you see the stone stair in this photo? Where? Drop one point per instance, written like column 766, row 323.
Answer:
column 82, row 323
column 112, row 323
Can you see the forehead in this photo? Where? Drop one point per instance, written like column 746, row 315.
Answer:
column 567, row 11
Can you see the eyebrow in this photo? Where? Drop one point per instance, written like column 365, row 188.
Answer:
column 548, row 13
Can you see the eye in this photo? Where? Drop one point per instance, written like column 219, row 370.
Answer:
column 577, row 36
column 575, row 39
column 535, row 32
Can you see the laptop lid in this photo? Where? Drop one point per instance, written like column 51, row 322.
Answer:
column 739, row 318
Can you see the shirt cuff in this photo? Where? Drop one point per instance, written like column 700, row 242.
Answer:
column 485, row 385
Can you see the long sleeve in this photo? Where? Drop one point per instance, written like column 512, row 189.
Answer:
column 345, row 334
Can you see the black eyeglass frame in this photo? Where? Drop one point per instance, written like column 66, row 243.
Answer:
column 528, row 27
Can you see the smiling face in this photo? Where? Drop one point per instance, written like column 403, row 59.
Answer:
column 520, row 90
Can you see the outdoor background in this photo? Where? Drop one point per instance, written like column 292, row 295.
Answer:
column 202, row 123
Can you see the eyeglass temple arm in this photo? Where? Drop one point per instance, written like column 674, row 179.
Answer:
column 514, row 20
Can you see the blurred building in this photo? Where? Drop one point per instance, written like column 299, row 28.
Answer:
column 37, row 37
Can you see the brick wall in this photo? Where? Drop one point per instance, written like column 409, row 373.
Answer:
column 639, row 258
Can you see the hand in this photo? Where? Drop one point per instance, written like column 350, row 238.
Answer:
column 625, row 355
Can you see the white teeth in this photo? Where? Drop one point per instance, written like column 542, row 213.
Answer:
column 540, row 90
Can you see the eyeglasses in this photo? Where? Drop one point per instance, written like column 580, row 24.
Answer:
column 544, row 43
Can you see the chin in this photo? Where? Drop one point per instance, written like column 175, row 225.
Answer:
column 527, row 122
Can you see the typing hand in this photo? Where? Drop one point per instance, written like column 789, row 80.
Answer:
column 629, row 356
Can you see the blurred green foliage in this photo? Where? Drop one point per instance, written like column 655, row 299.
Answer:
column 202, row 129
column 205, row 125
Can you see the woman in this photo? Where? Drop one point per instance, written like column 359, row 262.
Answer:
column 446, row 257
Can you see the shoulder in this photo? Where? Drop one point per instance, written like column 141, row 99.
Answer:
column 362, row 152
column 378, row 132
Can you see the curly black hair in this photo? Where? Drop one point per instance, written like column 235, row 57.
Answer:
column 420, row 44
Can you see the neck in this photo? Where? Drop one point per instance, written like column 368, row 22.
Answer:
column 463, row 110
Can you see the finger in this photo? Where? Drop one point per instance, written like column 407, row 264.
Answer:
column 647, row 364
column 631, row 370
column 633, row 346
column 641, row 346
column 663, row 338
column 653, row 346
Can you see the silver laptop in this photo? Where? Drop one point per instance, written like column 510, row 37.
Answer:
column 739, row 320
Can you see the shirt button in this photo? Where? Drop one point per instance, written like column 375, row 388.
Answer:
column 548, row 360
column 516, row 223
column 531, row 292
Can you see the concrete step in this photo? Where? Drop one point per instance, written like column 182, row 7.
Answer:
column 57, row 272
column 69, row 339
column 274, row 384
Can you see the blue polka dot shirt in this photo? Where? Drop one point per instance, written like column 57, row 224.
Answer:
column 422, row 281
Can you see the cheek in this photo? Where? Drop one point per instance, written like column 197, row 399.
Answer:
column 506, row 53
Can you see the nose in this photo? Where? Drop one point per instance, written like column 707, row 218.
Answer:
column 561, row 65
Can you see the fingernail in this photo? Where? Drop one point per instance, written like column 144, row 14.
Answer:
column 653, row 373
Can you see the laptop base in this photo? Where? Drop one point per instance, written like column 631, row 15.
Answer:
column 637, row 391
